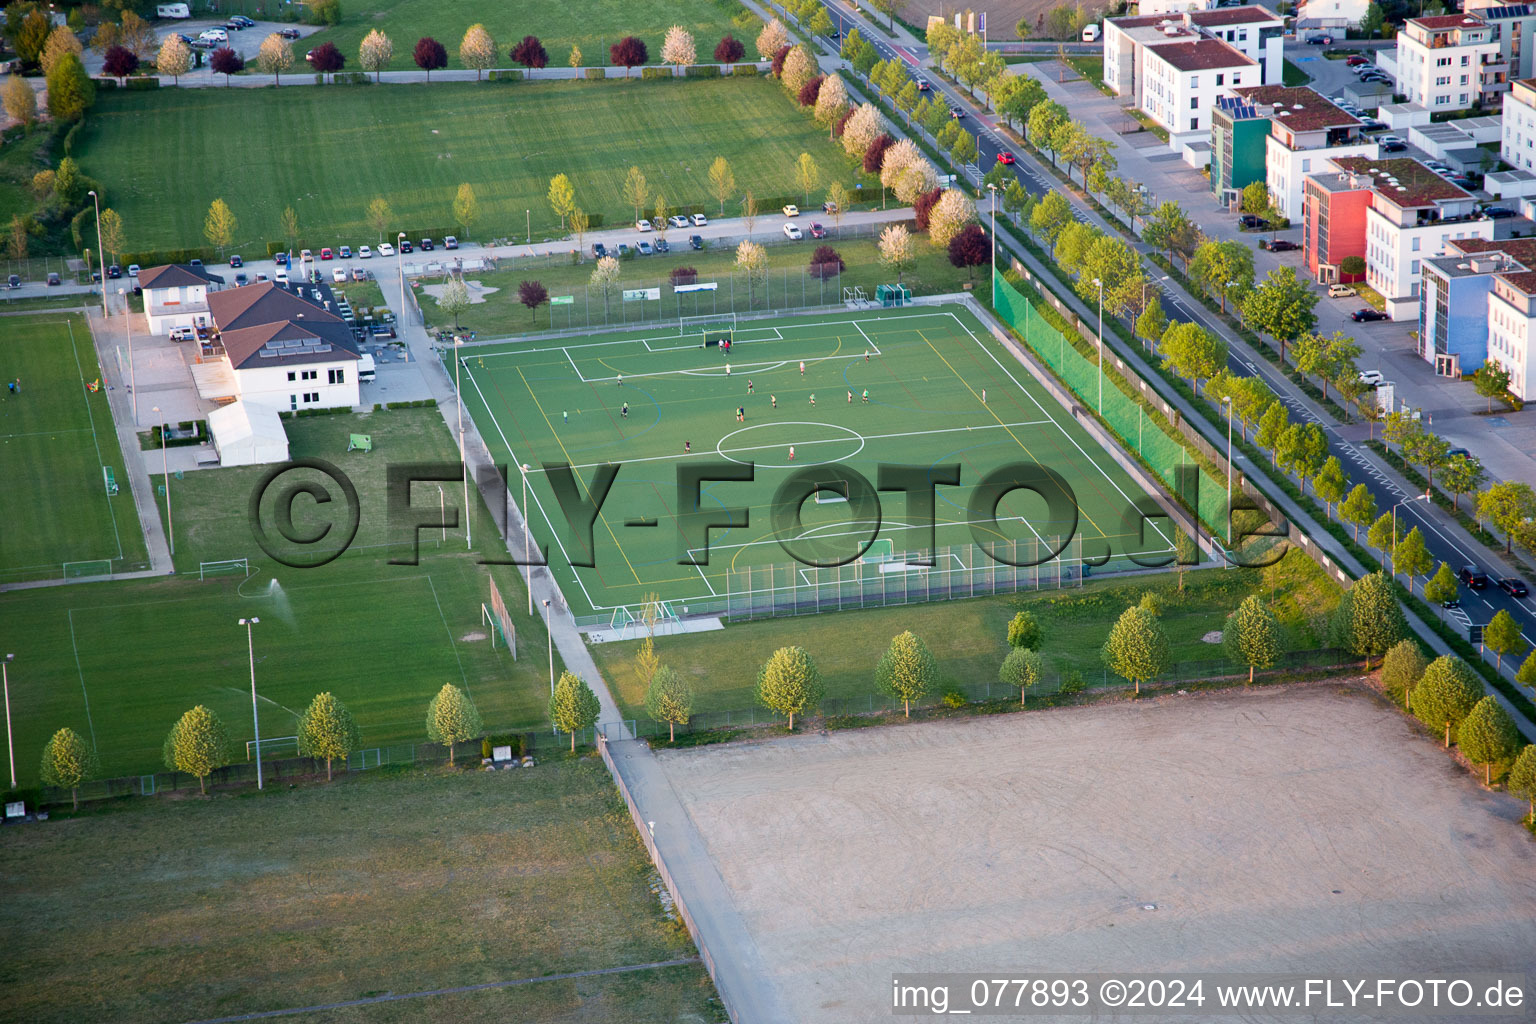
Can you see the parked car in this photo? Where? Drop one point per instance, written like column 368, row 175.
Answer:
column 14, row 281
column 359, row 274
column 696, row 241
column 642, row 225
column 114, row 271
column 1458, row 453
column 426, row 245
column 365, row 253
column 922, row 84
column 1280, row 245
column 326, row 254
column 1355, row 61
column 133, row 270
column 817, row 231
column 338, row 274
column 280, row 276
column 677, row 220
column 699, row 220
column 194, row 262
column 234, row 261
column 644, row 247
column 1394, row 147
column 1390, row 138
column 662, row 246
column 599, row 250
column 1473, row 577
column 53, row 278
column 791, row 210
column 1365, row 316
column 1319, row 40
column 385, row 249
column 242, row 21
column 448, row 243
column 1341, row 291
column 1005, row 157
column 1370, row 124
column 829, row 207
column 1249, row 220
column 957, row 113
column 1513, row 587
column 623, row 250
column 1372, row 378
column 793, row 232
column 289, row 33
column 345, row 252
column 405, row 245
column 281, row 259
column 1498, row 213
column 1362, row 67
column 182, row 334
column 241, row 278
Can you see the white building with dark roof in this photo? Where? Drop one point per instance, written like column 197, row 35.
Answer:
column 176, row 295
column 286, row 350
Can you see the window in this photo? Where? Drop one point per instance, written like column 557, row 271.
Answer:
column 1413, row 268
column 337, row 377
column 1220, row 79
column 1306, row 165
column 292, row 375
column 1194, row 124
column 293, row 401
column 1415, row 245
column 1443, row 62
column 311, row 375
column 311, row 396
column 1194, row 103
column 1194, row 81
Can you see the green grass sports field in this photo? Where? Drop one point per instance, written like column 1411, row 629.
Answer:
column 414, row 145
column 56, row 435
column 940, row 392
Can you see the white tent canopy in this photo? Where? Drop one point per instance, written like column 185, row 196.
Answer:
column 247, row 435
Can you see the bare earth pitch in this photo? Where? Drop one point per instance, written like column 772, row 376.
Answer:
column 1274, row 830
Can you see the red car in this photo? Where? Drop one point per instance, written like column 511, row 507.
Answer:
column 817, row 231
column 1356, row 61
column 1005, row 157
column 326, row 254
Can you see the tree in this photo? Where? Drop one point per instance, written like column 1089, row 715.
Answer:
column 1254, row 199
column 861, row 129
column 466, row 208
column 19, row 100
column 1522, row 778
column 839, row 198
column 429, row 55
column 1491, row 381
column 627, row 53
column 60, row 41
column 895, row 159
column 452, row 718
column 573, row 706
column 1324, row 357
column 1441, row 587
column 1526, row 674
column 137, row 34
column 1401, row 669
column 874, row 156
column 1024, row 630
column 478, row 50
column 67, row 762
column 821, row 23
column 970, row 249
column 825, row 263
column 1372, row 20
column 198, row 745
column 896, row 250
column 174, row 59
column 907, row 670
column 1487, row 735
column 1368, row 620
column 326, row 729
column 1282, row 306
column 678, row 49
column 1330, row 484
column 1507, row 505
column 575, row 58
column 1359, row 508
column 1461, row 475
column 220, row 225
column 749, row 210
column 964, row 150
column 225, row 61
column 1502, row 636
column 112, row 233
column 1192, row 352
column 809, row 91
column 772, row 38
column 789, row 683
column 605, row 278
column 1153, row 323
column 1116, row 265
column 722, row 183
column 532, row 294
column 1382, row 536
column 807, row 174
column 1169, row 229
column 646, row 660
column 752, row 260
column 375, row 52
column 1224, row 269
column 669, row 699
column 636, row 191
column 1303, row 448
column 831, row 102
column 30, row 37
column 1428, row 450
column 951, row 213
column 1411, row 557
column 326, row 59
column 290, row 222
column 379, row 215
column 887, row 8
column 1051, row 217
column 70, row 90
column 729, row 50
column 1022, row 668
column 454, row 299
column 325, row 12
column 562, row 197
column 1137, row 648
column 16, row 238
column 274, row 57
column 1252, row 635
column 530, row 53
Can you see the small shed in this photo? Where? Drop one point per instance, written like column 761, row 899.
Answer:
column 248, row 435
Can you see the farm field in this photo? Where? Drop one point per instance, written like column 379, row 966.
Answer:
column 592, row 25
column 118, row 662
column 415, row 144
column 56, row 436
column 386, row 881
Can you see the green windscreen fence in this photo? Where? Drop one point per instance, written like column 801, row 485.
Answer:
column 1126, row 417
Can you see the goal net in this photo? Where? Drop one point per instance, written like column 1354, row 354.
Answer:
column 882, row 550
column 710, row 329
column 272, row 745
column 82, row 570
column 499, row 619
column 224, row 567
column 831, row 492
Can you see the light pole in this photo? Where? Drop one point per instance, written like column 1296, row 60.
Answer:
column 1227, row 401
column 255, row 718
column 549, row 627
column 1393, row 551
column 528, row 226
column 133, row 375
column 1101, row 344
column 458, row 339
column 992, row 187
column 165, row 469
column 99, row 254
column 527, row 537
column 10, row 749
column 442, row 511
column 400, row 266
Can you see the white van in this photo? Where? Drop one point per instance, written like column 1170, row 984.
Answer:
column 178, row 11
column 367, row 372
column 1090, row 33
column 213, row 35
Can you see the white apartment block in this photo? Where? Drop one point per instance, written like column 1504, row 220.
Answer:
column 1511, row 326
column 1305, row 131
column 1330, row 14
column 1256, row 32
column 1182, row 80
column 1450, row 62
column 1252, row 31
column 1518, row 142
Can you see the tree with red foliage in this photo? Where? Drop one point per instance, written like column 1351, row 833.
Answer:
column 326, row 59
column 779, row 56
column 729, row 50
column 430, row 55
column 627, row 53
column 970, row 249
column 810, row 90
column 532, row 294
column 683, row 275
column 923, row 206
column 120, row 62
column 874, row 156
column 530, row 53
column 825, row 263
column 226, row 62
column 842, row 122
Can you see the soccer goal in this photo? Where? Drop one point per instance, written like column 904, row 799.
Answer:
column 225, row 567
column 83, row 570
column 881, row 550
column 832, row 492
column 273, row 745
column 711, row 329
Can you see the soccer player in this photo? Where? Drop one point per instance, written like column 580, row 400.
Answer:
column 813, row 399
column 775, row 400
column 983, row 396
column 749, row 385
column 565, row 416
column 802, row 367
column 791, row 453
column 866, row 396
column 850, row 398
column 621, row 380
column 741, row 414
column 687, row 447
column 625, row 411
column 866, row 355
column 727, row 369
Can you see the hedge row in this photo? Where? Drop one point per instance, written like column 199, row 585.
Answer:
column 158, row 257
column 506, row 75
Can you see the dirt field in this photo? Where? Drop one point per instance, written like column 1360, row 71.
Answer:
column 1276, row 830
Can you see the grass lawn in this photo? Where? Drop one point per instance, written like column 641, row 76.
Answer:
column 120, row 661
column 415, row 144
column 1294, row 76
column 55, row 437
column 593, row 25
column 969, row 638
column 788, row 283
column 383, row 882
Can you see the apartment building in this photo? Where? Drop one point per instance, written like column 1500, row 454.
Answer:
column 1183, row 80
column 1329, row 15
column 1465, row 319
column 1517, row 143
column 1450, row 62
column 1256, row 32
column 1334, row 205
column 1306, row 129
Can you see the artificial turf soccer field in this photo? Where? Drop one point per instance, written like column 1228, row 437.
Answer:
column 926, row 371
